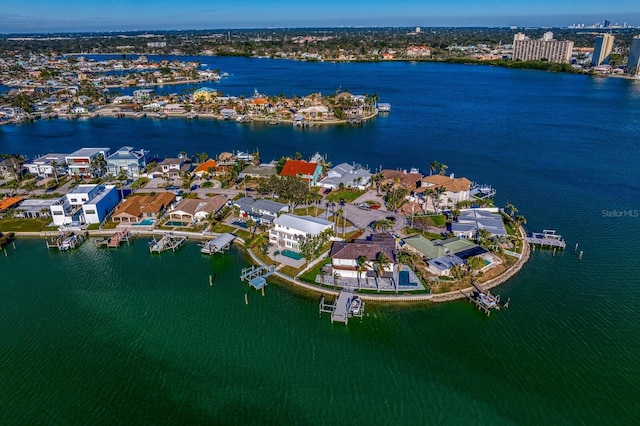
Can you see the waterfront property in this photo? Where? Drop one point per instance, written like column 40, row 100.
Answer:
column 552, row 50
column 261, row 210
column 447, row 190
column 471, row 220
column 82, row 162
column 171, row 168
column 35, row 207
column 347, row 176
column 305, row 170
column 191, row 210
column 50, row 165
column 364, row 258
column 220, row 244
column 290, row 230
column 85, row 204
column 138, row 208
column 9, row 203
column 408, row 180
column 128, row 161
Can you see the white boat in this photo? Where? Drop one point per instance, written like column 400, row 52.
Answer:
column 384, row 107
column 355, row 305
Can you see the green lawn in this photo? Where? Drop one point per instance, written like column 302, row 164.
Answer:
column 222, row 228
column 310, row 275
column 24, row 225
column 348, row 195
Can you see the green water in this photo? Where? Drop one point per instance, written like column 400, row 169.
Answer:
column 123, row 336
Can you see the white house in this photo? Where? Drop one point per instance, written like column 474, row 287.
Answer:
column 289, row 229
column 471, row 220
column 261, row 211
column 85, row 204
column 344, row 257
column 80, row 161
column 44, row 166
column 347, row 175
column 128, row 160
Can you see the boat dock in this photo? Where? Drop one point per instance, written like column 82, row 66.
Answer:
column 484, row 300
column 257, row 275
column 219, row 245
column 548, row 237
column 115, row 240
column 67, row 241
column 6, row 238
column 167, row 242
column 346, row 306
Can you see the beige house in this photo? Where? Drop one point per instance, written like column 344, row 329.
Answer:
column 139, row 207
column 452, row 190
column 196, row 209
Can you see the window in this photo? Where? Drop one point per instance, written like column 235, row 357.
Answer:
column 57, row 213
column 90, row 211
column 74, row 200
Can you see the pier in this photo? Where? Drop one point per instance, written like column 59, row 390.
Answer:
column 257, row 275
column 167, row 242
column 484, row 300
column 346, row 306
column 67, row 241
column 6, row 238
column 116, row 239
column 548, row 237
column 219, row 245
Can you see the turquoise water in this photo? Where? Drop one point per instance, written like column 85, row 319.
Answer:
column 291, row 254
column 175, row 223
column 120, row 336
column 145, row 222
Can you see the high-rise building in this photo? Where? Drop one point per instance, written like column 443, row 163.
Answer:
column 547, row 48
column 633, row 65
column 602, row 49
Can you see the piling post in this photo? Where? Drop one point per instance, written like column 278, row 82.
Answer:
column 580, row 255
column 14, row 245
column 210, row 280
column 576, row 249
column 262, row 291
column 5, row 252
column 246, row 299
column 554, row 251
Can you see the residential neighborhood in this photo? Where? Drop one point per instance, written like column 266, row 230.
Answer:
column 385, row 230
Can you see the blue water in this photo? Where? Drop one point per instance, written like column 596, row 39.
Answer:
column 562, row 148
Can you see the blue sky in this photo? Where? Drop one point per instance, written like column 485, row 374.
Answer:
column 120, row 15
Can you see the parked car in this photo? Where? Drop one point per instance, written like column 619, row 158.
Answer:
column 171, row 187
column 364, row 206
column 194, row 187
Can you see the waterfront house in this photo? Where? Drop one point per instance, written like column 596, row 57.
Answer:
column 171, row 168
column 174, row 109
column 85, row 204
column 140, row 207
column 347, row 176
column 127, row 160
column 44, row 166
column 450, row 190
column 304, row 170
column 36, row 207
column 471, row 220
column 143, row 95
column 81, row 162
column 290, row 230
column 196, row 209
column 407, row 180
column 261, row 211
column 344, row 257
column 418, row 51
column 441, row 266
column 204, row 95
column 208, row 168
column 264, row 170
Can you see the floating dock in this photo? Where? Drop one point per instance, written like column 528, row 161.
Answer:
column 257, row 275
column 67, row 241
column 218, row 245
column 6, row 238
column 347, row 305
column 167, row 242
column 547, row 237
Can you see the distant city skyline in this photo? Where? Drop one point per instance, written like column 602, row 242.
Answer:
column 39, row 16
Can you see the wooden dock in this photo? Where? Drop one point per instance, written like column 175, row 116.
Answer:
column 219, row 245
column 6, row 238
column 167, row 242
column 484, row 300
column 67, row 240
column 257, row 275
column 118, row 237
column 346, row 306
column 547, row 237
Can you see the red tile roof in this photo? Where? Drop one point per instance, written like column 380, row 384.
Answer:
column 298, row 167
column 8, row 202
column 204, row 167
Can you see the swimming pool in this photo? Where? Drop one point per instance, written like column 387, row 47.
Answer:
column 146, row 222
column 175, row 223
column 291, row 254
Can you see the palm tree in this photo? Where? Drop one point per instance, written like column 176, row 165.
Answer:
column 337, row 217
column 361, row 262
column 433, row 167
column 54, row 167
column 382, row 262
column 443, row 169
column 251, row 225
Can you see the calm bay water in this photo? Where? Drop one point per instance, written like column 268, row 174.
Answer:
column 103, row 336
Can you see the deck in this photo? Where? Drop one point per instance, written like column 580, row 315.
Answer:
column 547, row 237
column 257, row 275
column 340, row 309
